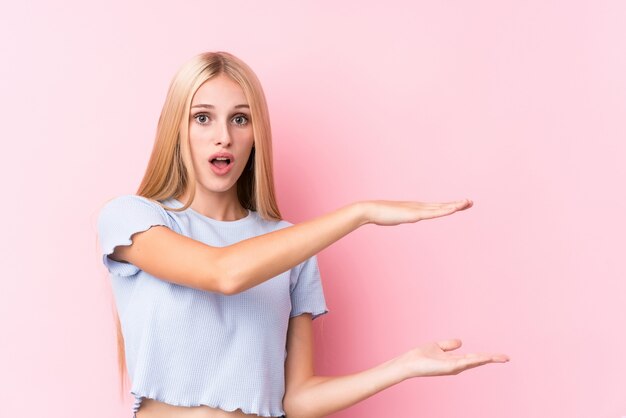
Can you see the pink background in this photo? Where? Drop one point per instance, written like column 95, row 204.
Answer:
column 517, row 105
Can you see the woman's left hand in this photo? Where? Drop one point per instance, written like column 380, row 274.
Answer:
column 435, row 359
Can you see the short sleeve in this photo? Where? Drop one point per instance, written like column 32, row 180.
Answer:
column 307, row 294
column 119, row 219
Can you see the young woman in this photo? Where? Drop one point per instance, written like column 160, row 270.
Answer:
column 215, row 291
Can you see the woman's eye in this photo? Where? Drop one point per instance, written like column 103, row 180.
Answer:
column 201, row 118
column 240, row 119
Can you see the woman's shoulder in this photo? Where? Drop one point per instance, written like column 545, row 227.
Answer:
column 128, row 207
column 129, row 199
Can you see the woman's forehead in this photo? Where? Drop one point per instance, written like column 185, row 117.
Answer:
column 218, row 92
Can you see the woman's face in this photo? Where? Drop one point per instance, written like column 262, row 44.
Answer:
column 220, row 134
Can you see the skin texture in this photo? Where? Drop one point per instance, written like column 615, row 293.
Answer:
column 220, row 121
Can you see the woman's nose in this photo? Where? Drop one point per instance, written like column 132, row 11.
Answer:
column 222, row 135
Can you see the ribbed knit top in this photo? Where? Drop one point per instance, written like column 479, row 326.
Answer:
column 189, row 347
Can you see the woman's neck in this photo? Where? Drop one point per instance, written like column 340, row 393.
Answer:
column 219, row 206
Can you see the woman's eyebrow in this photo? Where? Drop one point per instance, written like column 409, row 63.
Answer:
column 210, row 106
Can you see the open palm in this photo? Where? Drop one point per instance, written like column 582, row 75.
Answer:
column 390, row 212
column 435, row 359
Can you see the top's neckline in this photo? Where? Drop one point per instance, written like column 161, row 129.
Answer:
column 179, row 204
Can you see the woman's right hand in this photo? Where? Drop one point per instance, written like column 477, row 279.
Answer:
column 438, row 359
column 389, row 212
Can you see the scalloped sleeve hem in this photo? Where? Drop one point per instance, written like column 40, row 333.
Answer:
column 314, row 314
column 119, row 220
column 307, row 293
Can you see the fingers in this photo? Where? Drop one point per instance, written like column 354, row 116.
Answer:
column 468, row 203
column 442, row 209
column 459, row 203
column 479, row 360
column 464, row 203
column 469, row 361
column 500, row 358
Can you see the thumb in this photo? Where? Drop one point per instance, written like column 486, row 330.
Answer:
column 447, row 345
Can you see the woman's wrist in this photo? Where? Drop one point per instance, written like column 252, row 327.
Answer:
column 361, row 212
column 396, row 370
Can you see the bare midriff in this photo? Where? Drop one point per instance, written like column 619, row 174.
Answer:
column 155, row 409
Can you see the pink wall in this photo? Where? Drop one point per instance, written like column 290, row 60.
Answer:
column 517, row 105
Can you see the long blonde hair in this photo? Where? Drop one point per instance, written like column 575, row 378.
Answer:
column 170, row 170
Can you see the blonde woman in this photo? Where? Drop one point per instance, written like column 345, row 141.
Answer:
column 215, row 292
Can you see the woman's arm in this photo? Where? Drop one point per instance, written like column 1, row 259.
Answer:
column 310, row 396
column 165, row 254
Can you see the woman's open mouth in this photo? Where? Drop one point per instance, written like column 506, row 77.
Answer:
column 221, row 165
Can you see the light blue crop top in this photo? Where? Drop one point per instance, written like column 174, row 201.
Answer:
column 189, row 347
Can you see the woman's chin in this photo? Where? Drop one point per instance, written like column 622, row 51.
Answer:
column 217, row 186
